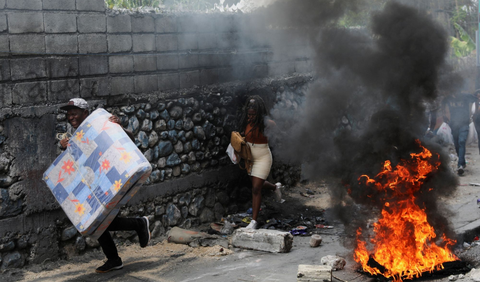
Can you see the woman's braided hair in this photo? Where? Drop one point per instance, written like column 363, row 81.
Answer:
column 256, row 103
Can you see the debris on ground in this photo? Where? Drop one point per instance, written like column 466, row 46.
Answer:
column 267, row 240
column 314, row 273
column 315, row 240
column 336, row 262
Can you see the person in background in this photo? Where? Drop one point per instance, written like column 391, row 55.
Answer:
column 77, row 112
column 457, row 114
column 252, row 126
column 476, row 116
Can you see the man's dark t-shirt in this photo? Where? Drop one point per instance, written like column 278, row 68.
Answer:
column 459, row 107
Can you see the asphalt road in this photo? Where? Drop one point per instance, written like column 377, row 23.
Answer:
column 165, row 262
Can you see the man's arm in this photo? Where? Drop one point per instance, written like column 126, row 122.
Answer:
column 116, row 120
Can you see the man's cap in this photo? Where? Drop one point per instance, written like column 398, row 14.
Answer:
column 75, row 103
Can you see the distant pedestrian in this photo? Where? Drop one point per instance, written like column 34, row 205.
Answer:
column 252, row 125
column 77, row 112
column 457, row 114
column 476, row 116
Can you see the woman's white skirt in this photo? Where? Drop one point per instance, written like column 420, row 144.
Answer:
column 262, row 160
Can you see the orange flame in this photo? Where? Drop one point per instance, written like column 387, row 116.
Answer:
column 403, row 241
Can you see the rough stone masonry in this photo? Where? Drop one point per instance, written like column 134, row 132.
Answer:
column 176, row 80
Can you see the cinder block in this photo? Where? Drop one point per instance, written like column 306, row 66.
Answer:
column 92, row 23
column 209, row 76
column 143, row 42
column 207, row 60
column 205, row 24
column 168, row 81
column 187, row 42
column 61, row 44
column 146, row 84
column 4, row 45
column 187, row 61
column 314, row 273
column 3, row 22
column 28, row 93
column 280, row 68
column 27, row 68
column 94, row 87
column 224, row 23
column 167, row 62
column 59, row 5
column 60, row 22
column 93, row 65
column 122, row 85
column 303, row 66
column 165, row 24
column 119, row 23
column 27, row 44
column 62, row 90
column 4, row 70
column 227, row 40
column 260, row 70
column 267, row 240
column 189, row 79
column 5, row 95
column 91, row 5
column 225, row 74
column 143, row 23
column 24, row 4
column 92, row 43
column 145, row 62
column 120, row 64
column 187, row 23
column 167, row 42
column 25, row 22
column 207, row 41
column 62, row 67
column 119, row 43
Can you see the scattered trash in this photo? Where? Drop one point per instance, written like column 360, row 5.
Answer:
column 466, row 245
column 247, row 219
column 299, row 230
column 250, row 211
column 184, row 236
column 478, row 203
column 474, row 184
column 306, row 195
column 227, row 228
column 321, row 226
column 309, row 192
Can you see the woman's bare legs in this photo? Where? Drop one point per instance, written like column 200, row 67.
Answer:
column 257, row 185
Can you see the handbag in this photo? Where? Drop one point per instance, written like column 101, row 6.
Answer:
column 242, row 149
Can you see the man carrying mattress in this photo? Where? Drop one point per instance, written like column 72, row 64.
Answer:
column 77, row 111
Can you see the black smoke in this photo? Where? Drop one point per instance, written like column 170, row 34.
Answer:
column 367, row 104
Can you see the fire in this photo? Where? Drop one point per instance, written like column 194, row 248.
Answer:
column 403, row 242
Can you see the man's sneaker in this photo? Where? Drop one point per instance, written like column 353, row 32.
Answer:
column 460, row 170
column 278, row 192
column 253, row 224
column 110, row 265
column 144, row 232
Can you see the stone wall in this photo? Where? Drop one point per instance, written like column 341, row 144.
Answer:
column 176, row 80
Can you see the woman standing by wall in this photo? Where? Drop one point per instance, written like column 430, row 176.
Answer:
column 252, row 125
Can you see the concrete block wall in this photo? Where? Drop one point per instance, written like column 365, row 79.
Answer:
column 54, row 50
column 37, row 39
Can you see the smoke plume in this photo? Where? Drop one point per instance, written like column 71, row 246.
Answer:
column 367, row 104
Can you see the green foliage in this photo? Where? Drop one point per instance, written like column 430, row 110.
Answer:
column 166, row 4
column 464, row 45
